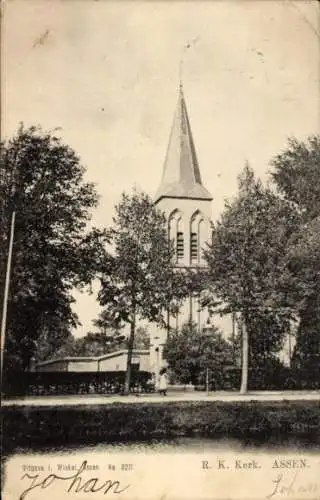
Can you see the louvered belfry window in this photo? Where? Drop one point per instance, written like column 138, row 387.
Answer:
column 194, row 247
column 180, row 246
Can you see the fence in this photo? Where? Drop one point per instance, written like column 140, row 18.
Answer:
column 63, row 383
column 278, row 378
column 60, row 383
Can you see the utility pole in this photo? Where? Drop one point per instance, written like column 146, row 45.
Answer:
column 6, row 290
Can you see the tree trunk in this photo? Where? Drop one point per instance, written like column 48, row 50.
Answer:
column 190, row 310
column 245, row 358
column 168, row 321
column 129, row 358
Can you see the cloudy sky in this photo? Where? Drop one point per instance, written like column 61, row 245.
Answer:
column 107, row 73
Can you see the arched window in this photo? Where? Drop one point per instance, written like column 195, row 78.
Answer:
column 203, row 238
column 180, row 241
column 196, row 237
column 176, row 234
column 194, row 247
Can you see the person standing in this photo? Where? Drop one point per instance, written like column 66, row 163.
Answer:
column 163, row 383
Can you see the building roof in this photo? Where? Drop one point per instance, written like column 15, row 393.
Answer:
column 136, row 352
column 181, row 174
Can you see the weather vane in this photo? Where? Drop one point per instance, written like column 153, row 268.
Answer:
column 184, row 50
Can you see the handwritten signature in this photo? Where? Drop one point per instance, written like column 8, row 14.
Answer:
column 74, row 483
column 283, row 486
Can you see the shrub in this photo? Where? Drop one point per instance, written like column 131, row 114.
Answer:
column 59, row 383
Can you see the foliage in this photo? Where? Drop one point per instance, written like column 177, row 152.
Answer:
column 297, row 176
column 92, row 344
column 116, row 335
column 57, row 346
column 43, row 182
column 304, row 264
column 48, row 383
column 189, row 353
column 97, row 344
column 245, row 256
column 267, row 331
column 102, row 323
column 141, row 338
column 140, row 281
column 246, row 263
column 140, row 277
column 307, row 349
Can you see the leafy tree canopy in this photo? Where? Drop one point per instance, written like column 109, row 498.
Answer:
column 297, row 174
column 43, row 182
column 140, row 280
column 245, row 259
column 247, row 268
column 189, row 353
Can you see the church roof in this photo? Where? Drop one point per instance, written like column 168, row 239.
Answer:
column 181, row 174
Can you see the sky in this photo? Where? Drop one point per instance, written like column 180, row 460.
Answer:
column 107, row 74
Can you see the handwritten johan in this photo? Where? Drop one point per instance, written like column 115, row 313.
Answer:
column 74, row 482
column 159, row 277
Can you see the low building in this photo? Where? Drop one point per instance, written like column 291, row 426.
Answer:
column 113, row 361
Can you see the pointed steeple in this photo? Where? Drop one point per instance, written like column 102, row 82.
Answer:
column 181, row 174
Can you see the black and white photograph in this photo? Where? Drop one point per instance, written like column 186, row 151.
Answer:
column 160, row 249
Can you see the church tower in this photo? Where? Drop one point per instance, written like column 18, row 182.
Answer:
column 187, row 206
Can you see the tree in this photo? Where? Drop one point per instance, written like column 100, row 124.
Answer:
column 303, row 262
column 92, row 344
column 269, row 329
column 190, row 353
column 142, row 338
column 97, row 344
column 43, row 182
column 111, row 333
column 140, row 280
column 54, row 347
column 296, row 173
column 103, row 323
column 246, row 270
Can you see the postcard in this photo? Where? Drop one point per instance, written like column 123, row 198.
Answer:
column 160, row 220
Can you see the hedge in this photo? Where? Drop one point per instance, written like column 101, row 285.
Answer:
column 278, row 377
column 36, row 427
column 59, row 383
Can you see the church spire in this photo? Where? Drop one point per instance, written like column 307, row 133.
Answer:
column 181, row 174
